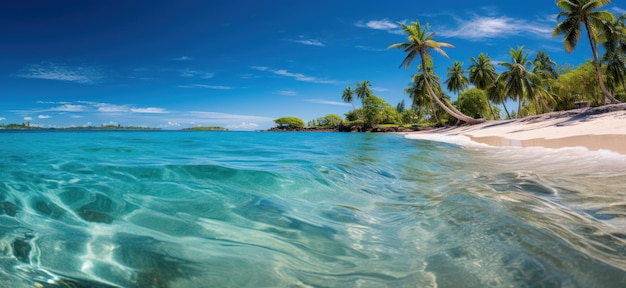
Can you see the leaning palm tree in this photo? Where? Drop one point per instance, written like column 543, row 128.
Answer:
column 519, row 82
column 420, row 43
column 577, row 13
column 483, row 75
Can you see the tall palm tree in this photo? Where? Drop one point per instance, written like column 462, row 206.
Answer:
column 496, row 93
column 577, row 13
column 519, row 82
column 419, row 94
column 545, row 66
column 420, row 43
column 456, row 80
column 615, row 69
column 482, row 72
column 363, row 90
column 546, row 69
column 483, row 75
column 348, row 96
column 614, row 43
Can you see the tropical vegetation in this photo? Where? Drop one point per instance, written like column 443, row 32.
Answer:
column 206, row 128
column 289, row 121
column 532, row 80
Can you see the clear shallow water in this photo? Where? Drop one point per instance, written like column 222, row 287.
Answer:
column 245, row 209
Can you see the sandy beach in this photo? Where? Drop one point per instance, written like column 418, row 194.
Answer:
column 599, row 128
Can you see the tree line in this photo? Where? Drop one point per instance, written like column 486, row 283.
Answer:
column 538, row 85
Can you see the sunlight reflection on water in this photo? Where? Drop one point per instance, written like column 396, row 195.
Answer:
column 183, row 209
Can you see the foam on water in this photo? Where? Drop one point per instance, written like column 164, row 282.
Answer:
column 197, row 209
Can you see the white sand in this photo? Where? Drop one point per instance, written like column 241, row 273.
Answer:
column 601, row 128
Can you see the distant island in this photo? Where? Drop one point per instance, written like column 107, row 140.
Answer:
column 27, row 126
column 206, row 128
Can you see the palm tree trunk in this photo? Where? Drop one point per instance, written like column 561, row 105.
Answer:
column 457, row 114
column 594, row 49
column 506, row 110
column 493, row 114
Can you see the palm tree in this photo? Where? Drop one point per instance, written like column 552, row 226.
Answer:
column 483, row 75
column 418, row 93
column 482, row 72
column 615, row 69
column 519, row 82
column 420, row 43
column 456, row 81
column 363, row 90
column 544, row 66
column 577, row 13
column 614, row 43
column 546, row 69
column 347, row 96
column 497, row 94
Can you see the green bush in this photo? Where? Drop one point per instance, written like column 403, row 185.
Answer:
column 357, row 123
column 328, row 121
column 291, row 122
column 474, row 103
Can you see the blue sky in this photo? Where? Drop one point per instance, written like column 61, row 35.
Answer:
column 237, row 64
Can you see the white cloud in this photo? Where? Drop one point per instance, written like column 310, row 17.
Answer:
column 171, row 124
column 379, row 89
column 226, row 116
column 188, row 73
column 243, row 126
column 28, row 118
column 69, row 108
column 61, row 72
column 44, row 116
column 194, row 73
column 371, row 49
column 619, row 11
column 148, row 110
column 217, row 87
column 327, row 102
column 111, row 108
column 384, row 25
column 182, row 58
column 309, row 42
column 2, row 118
column 486, row 27
column 296, row 76
column 260, row 68
column 287, row 93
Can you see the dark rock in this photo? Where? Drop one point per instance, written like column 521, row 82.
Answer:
column 94, row 216
column 21, row 250
column 8, row 208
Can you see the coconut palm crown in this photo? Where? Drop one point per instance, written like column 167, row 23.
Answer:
column 578, row 13
column 420, row 43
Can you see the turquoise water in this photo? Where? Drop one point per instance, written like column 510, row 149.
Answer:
column 249, row 209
